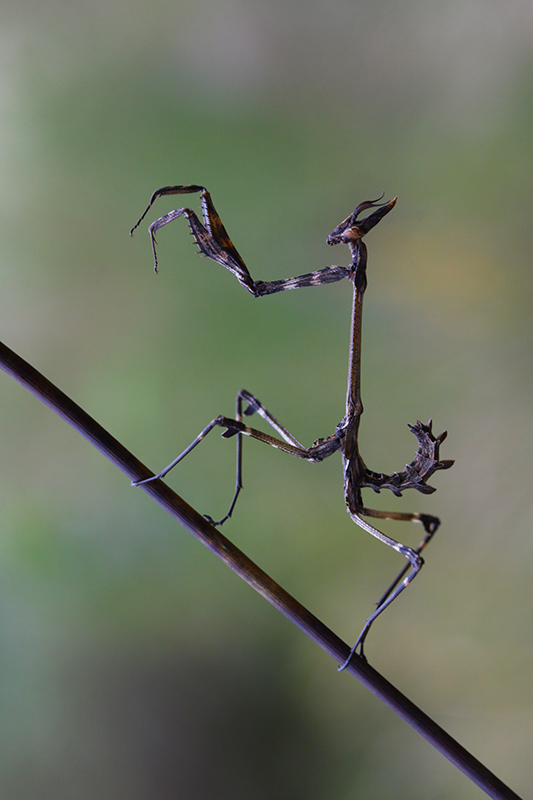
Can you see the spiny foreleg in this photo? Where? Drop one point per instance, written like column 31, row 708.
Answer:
column 214, row 242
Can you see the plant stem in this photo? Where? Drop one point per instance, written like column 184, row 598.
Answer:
column 53, row 397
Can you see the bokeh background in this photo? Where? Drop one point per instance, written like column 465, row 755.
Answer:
column 132, row 663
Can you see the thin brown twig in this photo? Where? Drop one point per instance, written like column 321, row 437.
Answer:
column 53, row 397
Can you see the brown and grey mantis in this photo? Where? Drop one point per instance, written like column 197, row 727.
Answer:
column 214, row 242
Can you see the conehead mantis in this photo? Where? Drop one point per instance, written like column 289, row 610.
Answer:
column 214, row 242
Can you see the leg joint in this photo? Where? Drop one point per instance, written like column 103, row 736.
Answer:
column 413, row 557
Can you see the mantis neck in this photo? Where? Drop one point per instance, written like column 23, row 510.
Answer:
column 354, row 405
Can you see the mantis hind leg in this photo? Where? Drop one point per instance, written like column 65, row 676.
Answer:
column 430, row 525
column 409, row 572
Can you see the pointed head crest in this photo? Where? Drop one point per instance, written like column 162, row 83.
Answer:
column 350, row 229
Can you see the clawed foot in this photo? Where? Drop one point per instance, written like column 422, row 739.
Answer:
column 359, row 643
column 146, row 480
column 212, row 521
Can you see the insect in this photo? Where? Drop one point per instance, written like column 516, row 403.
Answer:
column 214, row 242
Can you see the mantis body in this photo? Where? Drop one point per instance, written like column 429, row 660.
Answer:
column 214, row 242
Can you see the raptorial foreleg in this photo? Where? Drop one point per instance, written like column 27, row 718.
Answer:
column 214, row 242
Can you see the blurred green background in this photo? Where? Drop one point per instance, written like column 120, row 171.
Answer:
column 133, row 664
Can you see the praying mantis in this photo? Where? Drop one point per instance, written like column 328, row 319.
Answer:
column 214, row 242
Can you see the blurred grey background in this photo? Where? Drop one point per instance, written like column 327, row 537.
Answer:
column 132, row 664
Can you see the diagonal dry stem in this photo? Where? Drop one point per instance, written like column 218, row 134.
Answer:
column 53, row 397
